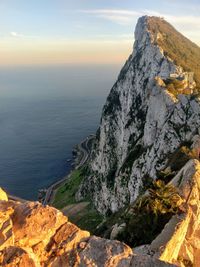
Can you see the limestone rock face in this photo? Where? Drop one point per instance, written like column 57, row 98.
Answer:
column 33, row 235
column 141, row 261
column 142, row 123
column 102, row 252
column 34, row 223
column 6, row 231
column 15, row 256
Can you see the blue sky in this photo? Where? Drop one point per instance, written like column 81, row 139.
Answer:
column 78, row 31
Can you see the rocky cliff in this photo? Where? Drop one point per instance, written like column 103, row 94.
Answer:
column 151, row 113
column 32, row 235
column 149, row 129
column 35, row 235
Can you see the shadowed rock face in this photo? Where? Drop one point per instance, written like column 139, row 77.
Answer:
column 32, row 235
column 142, row 122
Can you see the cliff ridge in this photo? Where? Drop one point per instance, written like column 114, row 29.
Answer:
column 150, row 116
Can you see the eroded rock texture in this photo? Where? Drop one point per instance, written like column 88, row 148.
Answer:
column 32, row 235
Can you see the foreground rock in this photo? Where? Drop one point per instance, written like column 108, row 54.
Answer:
column 179, row 241
column 32, row 235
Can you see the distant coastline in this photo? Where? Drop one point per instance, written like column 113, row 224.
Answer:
column 80, row 154
column 44, row 111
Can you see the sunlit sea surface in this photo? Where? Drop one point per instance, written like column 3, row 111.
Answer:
column 44, row 112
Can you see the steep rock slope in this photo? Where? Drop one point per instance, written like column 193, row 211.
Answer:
column 143, row 123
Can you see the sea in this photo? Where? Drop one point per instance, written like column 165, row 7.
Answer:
column 44, row 112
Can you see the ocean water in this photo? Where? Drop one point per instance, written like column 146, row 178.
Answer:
column 44, row 112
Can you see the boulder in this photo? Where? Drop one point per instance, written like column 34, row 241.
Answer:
column 3, row 195
column 15, row 257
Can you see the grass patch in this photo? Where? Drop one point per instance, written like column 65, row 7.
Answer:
column 65, row 194
column 115, row 218
column 89, row 220
column 83, row 213
column 180, row 49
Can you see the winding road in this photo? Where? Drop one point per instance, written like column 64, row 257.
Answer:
column 83, row 147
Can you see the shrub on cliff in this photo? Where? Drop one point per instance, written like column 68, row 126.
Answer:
column 161, row 199
column 149, row 215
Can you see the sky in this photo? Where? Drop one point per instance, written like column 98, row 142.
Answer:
column 83, row 31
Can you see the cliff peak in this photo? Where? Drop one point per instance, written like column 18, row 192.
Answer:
column 152, row 112
column 173, row 44
column 176, row 46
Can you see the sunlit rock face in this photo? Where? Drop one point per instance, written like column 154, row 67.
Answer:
column 3, row 195
column 179, row 241
column 142, row 124
column 32, row 235
column 35, row 235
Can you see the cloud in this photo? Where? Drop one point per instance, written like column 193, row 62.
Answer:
column 21, row 36
column 126, row 17
column 122, row 17
column 111, row 12
column 16, row 35
column 187, row 24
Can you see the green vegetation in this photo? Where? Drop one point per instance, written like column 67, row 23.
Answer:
column 148, row 216
column 65, row 194
column 118, row 217
column 174, row 86
column 166, row 175
column 161, row 199
column 176, row 161
column 180, row 157
column 88, row 220
column 83, row 213
column 147, row 183
column 180, row 49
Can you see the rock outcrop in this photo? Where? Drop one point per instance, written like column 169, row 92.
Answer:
column 180, row 239
column 145, row 119
column 33, row 235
